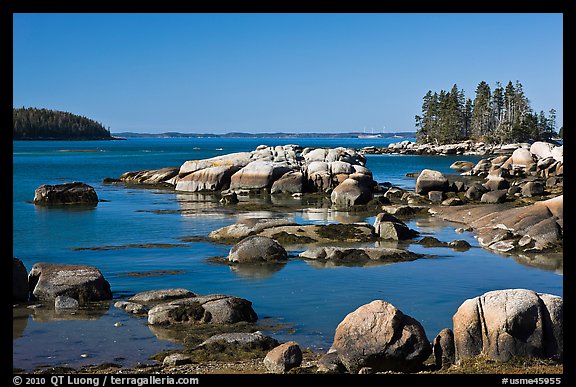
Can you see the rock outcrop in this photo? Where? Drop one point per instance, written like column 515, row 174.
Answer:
column 532, row 228
column 502, row 324
column 287, row 169
column 83, row 283
column 380, row 336
column 344, row 256
column 64, row 194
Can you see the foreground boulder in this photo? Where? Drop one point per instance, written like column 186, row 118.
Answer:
column 502, row 324
column 387, row 226
column 210, row 309
column 257, row 249
column 67, row 193
column 380, row 336
column 20, row 288
column 83, row 283
column 283, row 358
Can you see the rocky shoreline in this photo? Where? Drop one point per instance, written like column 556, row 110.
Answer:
column 512, row 200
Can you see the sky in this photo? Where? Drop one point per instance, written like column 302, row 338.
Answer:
column 333, row 72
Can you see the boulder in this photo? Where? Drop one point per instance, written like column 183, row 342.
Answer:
column 429, row 241
column 502, row 324
column 482, row 167
column 330, row 363
column 462, row 165
column 435, row 196
column 283, row 358
column 498, row 196
column 20, row 288
column 65, row 302
column 343, row 255
column 176, row 359
column 207, row 179
column 131, row 307
column 443, row 348
column 152, row 176
column 257, row 175
column 83, row 283
column 430, row 180
column 238, row 160
column 380, row 336
column 350, row 193
column 247, row 227
column 387, row 226
column 459, row 244
column 160, row 295
column 475, row 191
column 541, row 149
column 256, row 249
column 67, row 193
column 309, row 233
column 532, row 188
column 558, row 153
column 522, row 158
column 453, row 201
column 496, row 183
column 244, row 339
column 340, row 167
column 211, row 309
column 291, row 182
column 318, row 175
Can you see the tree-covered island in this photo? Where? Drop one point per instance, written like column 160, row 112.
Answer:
column 45, row 124
column 499, row 116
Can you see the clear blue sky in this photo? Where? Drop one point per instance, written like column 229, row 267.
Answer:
column 276, row 72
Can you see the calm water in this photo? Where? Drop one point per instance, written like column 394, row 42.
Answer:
column 311, row 299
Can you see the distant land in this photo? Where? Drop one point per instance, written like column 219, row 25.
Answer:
column 264, row 135
column 46, row 124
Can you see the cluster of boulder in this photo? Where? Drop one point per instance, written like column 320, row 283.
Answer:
column 497, row 325
column 288, row 169
column 467, row 147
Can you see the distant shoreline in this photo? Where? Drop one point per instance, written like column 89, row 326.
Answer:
column 260, row 135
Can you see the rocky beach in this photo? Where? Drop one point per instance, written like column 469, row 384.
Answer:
column 511, row 200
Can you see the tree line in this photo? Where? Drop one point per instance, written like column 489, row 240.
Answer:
column 45, row 124
column 502, row 115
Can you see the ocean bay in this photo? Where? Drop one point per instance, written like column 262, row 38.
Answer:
column 310, row 299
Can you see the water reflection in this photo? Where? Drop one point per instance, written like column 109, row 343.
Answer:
column 256, row 271
column 330, row 215
column 92, row 312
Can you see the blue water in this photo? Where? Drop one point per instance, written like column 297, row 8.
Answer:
column 311, row 299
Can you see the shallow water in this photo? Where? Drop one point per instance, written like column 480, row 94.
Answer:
column 310, row 298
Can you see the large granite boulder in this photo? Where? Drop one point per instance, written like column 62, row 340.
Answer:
column 257, row 249
column 541, row 149
column 350, row 193
column 443, row 348
column 20, row 288
column 283, row 358
column 380, row 336
column 207, row 179
column 502, row 324
column 238, row 160
column 430, row 180
column 83, row 283
column 247, row 227
column 153, row 176
column 291, row 182
column 257, row 175
column 211, row 309
column 66, row 193
column 388, row 226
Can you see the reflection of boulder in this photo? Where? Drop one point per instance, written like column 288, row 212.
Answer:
column 19, row 321
column 93, row 311
column 257, row 271
column 171, row 334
